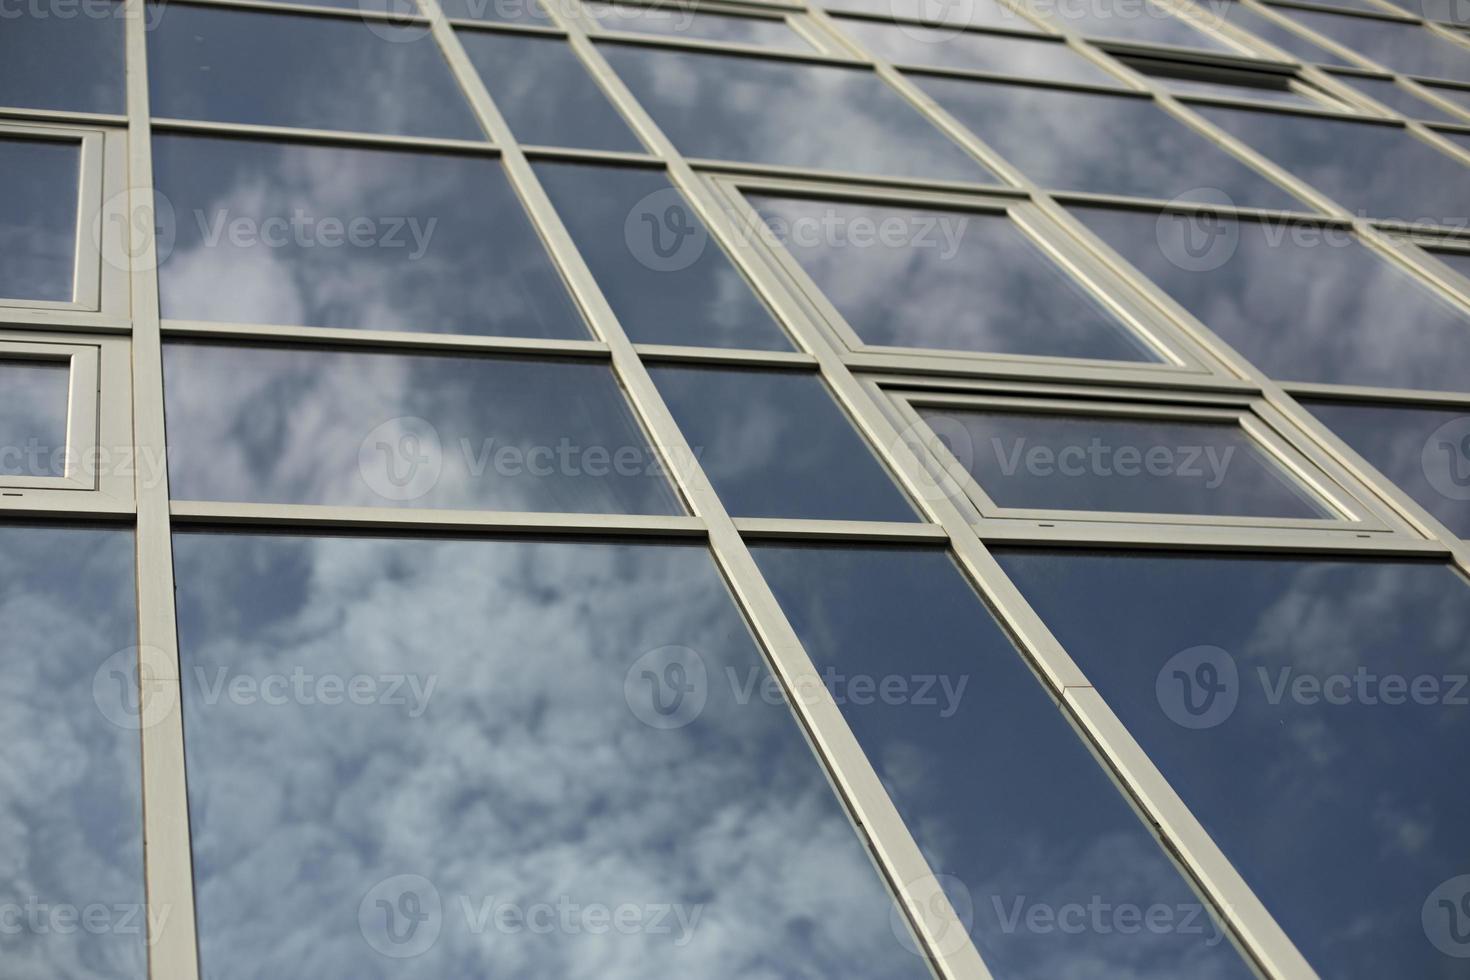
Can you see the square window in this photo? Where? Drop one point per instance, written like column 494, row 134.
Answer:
column 1399, row 45
column 52, row 59
column 664, row 20
column 39, row 219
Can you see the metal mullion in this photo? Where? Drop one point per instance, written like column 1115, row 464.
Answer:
column 606, row 158
column 1032, row 32
column 734, row 49
column 1238, row 393
column 74, row 321
column 209, row 513
column 22, row 116
column 848, row 532
column 1026, row 81
column 503, row 27
column 1404, row 396
column 671, row 353
column 292, row 134
column 1200, row 538
column 398, row 341
column 304, row 10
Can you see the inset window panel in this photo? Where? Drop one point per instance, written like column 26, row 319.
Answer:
column 1397, row 98
column 1187, row 78
column 666, row 279
column 1276, row 34
column 277, row 425
column 1303, row 302
column 33, row 410
column 909, row 44
column 498, row 11
column 37, row 40
column 1009, row 829
column 281, row 69
column 1103, row 144
column 49, row 417
column 545, row 92
column 815, row 117
column 39, row 219
column 947, row 13
column 1399, row 45
column 1303, row 710
column 775, row 444
column 271, row 232
column 1128, row 20
column 666, row 20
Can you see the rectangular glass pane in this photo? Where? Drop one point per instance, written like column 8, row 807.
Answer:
column 498, row 11
column 1104, row 144
column 33, row 410
column 267, row 425
column 1405, row 47
column 910, row 44
column 952, row 13
column 1127, row 20
column 945, row 280
column 545, row 93
column 1397, row 98
column 1308, row 713
column 568, row 763
column 1364, row 320
column 1276, row 34
column 815, row 117
column 775, row 444
column 681, row 22
column 72, row 891
column 248, row 66
column 667, row 280
column 50, row 60
column 1448, row 11
column 38, row 219
column 329, row 236
column 1046, row 461
column 1025, row 831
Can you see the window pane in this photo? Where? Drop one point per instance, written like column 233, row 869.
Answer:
column 1382, row 171
column 999, row 792
column 1276, row 34
column 545, row 93
column 1442, row 10
column 947, row 280
column 375, row 239
column 780, row 112
column 947, row 48
column 1400, row 100
column 959, row 13
column 73, row 884
column 1426, row 451
column 1401, row 46
column 775, row 444
column 654, row 260
column 1363, row 320
column 51, row 61
column 38, row 219
column 683, row 23
column 1461, row 96
column 1105, row 144
column 33, row 408
column 1305, row 711
column 381, row 430
column 1128, row 20
column 510, row 770
column 498, row 11
column 247, row 66
column 1045, row 461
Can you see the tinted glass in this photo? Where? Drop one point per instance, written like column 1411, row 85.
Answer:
column 944, row 280
column 959, row 13
column 33, row 406
column 1276, row 34
column 1404, row 47
column 684, row 23
column 247, row 66
column 666, row 279
column 1362, row 321
column 545, row 93
column 947, row 48
column 510, row 787
column 1106, row 144
column 1129, row 20
column 1450, row 11
column 775, row 444
column 37, row 40
column 38, row 219
column 324, row 236
column 384, row 430
column 780, row 112
column 1426, row 451
column 1398, row 99
column 73, row 845
column 498, row 11
column 1460, row 96
column 1304, row 711
column 998, row 790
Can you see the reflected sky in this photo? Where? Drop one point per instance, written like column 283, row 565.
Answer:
column 498, row 11
column 247, row 66
column 947, row 280
column 1276, row 34
column 1344, row 814
column 1409, row 48
column 1446, row 10
column 38, row 219
column 380, row 430
column 681, row 23
column 33, row 405
column 1128, row 20
column 1458, row 95
column 818, row 117
column 775, row 444
column 1423, row 450
column 665, row 278
column 998, row 790
column 908, row 44
column 545, row 93
column 69, row 777
column 37, row 39
column 952, row 13
column 1303, row 303
column 259, row 233
column 1072, row 462
column 526, row 775
column 1104, row 144
column 1399, row 99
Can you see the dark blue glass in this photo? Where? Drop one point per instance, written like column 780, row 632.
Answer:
column 65, row 56
column 38, row 219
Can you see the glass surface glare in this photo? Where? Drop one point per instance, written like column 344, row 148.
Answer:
column 689, row 25
column 289, row 426
column 38, row 219
column 49, row 60
column 519, row 784
column 33, row 408
column 909, row 44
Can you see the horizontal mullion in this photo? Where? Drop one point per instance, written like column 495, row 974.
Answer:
column 207, row 127
column 851, row 531
column 723, row 355
column 1176, row 537
column 384, row 339
column 199, row 513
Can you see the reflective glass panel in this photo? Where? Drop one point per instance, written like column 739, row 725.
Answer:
column 73, row 63
column 1276, row 34
column 545, row 93
column 248, row 66
column 1105, row 144
column 498, row 11
column 775, row 444
column 1460, row 96
column 667, row 280
column 1128, row 20
column 541, row 760
column 1399, row 99
column 33, row 407
column 947, row 280
column 1006, row 802
column 780, row 112
column 1306, row 712
column 680, row 22
column 329, row 236
column 1404, row 47
column 1450, row 11
column 270, row 425
column 950, row 13
column 38, row 219
column 1300, row 301
column 909, row 44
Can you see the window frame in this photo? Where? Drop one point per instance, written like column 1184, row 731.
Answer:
column 818, row 43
